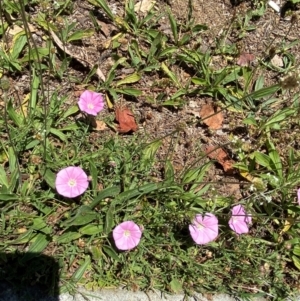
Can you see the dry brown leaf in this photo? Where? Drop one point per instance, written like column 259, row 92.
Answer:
column 215, row 121
column 126, row 120
column 245, row 59
column 221, row 157
column 100, row 125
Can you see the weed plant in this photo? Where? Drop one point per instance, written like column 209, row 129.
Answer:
column 133, row 177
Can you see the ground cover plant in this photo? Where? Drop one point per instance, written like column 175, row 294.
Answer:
column 152, row 145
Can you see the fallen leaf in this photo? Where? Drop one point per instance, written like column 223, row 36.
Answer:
column 126, row 120
column 100, row 125
column 277, row 61
column 144, row 6
column 245, row 59
column 215, row 121
column 221, row 157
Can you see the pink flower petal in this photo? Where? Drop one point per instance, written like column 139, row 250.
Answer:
column 71, row 182
column 91, row 102
column 127, row 235
column 298, row 196
column 238, row 226
column 239, row 220
column 204, row 229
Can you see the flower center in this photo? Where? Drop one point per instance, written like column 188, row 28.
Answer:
column 90, row 106
column 72, row 182
column 126, row 233
column 200, row 226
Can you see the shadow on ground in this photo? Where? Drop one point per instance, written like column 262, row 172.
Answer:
column 28, row 277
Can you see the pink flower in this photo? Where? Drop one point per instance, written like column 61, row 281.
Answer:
column 298, row 196
column 204, row 229
column 91, row 102
column 71, row 182
column 127, row 235
column 239, row 220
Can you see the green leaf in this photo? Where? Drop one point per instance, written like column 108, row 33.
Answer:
column 149, row 152
column 111, row 253
column 20, row 41
column 3, row 177
column 40, row 225
column 49, row 177
column 66, row 237
column 132, row 78
column 129, row 91
column 34, row 92
column 176, row 285
column 84, row 216
column 296, row 250
column 109, row 219
column 275, row 158
column 106, row 193
column 41, row 241
column 91, row 229
column 16, row 118
column 9, row 197
column 173, row 27
column 262, row 159
column 72, row 110
column 169, row 171
column 104, row 6
column 296, row 262
column 171, row 75
column 264, row 92
column 59, row 134
column 80, row 34
column 76, row 277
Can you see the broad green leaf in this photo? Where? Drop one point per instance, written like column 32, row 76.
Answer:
column 296, row 262
column 109, row 219
column 199, row 81
column 132, row 78
column 19, row 42
column 296, row 250
column 262, row 159
column 40, row 225
column 91, row 229
column 167, row 51
column 105, row 193
column 84, row 216
column 129, row 91
column 149, row 152
column 264, row 92
column 3, row 177
column 80, row 34
column 176, row 286
column 72, row 110
column 41, row 241
column 49, row 177
column 111, row 253
column 66, row 237
column 277, row 117
column 24, row 238
column 274, row 156
column 76, row 277
column 16, row 117
column 169, row 171
column 9, row 197
column 58, row 134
